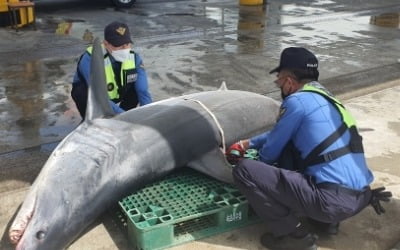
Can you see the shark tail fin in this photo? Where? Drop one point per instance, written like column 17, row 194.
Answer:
column 98, row 104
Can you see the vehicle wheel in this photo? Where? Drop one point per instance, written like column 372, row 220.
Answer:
column 123, row 3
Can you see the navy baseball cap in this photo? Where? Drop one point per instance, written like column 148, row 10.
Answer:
column 296, row 58
column 117, row 34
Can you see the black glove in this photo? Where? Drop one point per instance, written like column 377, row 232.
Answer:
column 377, row 196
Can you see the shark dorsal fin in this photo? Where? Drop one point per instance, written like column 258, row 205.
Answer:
column 98, row 104
column 223, row 86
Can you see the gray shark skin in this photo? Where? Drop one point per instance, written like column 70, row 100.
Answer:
column 108, row 157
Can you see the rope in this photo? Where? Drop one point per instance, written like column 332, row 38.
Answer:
column 221, row 131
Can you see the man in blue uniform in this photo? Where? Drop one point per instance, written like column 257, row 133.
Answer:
column 125, row 74
column 311, row 164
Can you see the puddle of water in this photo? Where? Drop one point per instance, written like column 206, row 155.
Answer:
column 33, row 104
column 353, row 63
column 175, row 72
column 214, row 13
column 251, row 28
column 319, row 25
column 247, row 36
column 80, row 30
column 293, row 13
column 302, row 10
column 328, row 32
column 388, row 20
column 323, row 2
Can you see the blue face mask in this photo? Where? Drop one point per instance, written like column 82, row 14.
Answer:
column 121, row 54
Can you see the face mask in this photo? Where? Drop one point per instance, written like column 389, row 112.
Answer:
column 283, row 95
column 121, row 54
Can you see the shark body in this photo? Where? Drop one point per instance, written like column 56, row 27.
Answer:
column 108, row 156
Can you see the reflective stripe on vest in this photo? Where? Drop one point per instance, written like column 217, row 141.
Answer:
column 355, row 144
column 346, row 116
column 112, row 86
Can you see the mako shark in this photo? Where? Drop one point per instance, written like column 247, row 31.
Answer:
column 109, row 156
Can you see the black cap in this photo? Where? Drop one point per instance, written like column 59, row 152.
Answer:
column 117, row 34
column 296, row 58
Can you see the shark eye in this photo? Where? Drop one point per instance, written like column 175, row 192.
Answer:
column 40, row 235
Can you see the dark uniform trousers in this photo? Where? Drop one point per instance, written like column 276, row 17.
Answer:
column 280, row 197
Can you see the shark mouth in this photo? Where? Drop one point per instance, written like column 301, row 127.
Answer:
column 21, row 222
column 18, row 228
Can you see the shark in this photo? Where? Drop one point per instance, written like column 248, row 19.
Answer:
column 111, row 155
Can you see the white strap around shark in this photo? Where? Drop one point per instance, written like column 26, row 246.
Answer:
column 221, row 131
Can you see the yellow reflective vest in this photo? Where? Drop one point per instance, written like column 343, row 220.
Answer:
column 355, row 145
column 128, row 75
column 346, row 116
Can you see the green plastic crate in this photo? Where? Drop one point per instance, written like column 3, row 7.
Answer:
column 183, row 207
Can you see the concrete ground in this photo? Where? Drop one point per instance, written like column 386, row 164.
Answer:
column 378, row 118
column 191, row 46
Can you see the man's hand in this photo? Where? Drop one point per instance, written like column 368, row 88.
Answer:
column 377, row 196
column 234, row 153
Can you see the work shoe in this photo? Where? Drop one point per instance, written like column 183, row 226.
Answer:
column 325, row 228
column 289, row 242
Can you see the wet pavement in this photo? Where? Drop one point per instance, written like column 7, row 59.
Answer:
column 187, row 46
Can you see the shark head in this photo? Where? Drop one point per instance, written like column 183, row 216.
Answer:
column 91, row 169
column 55, row 209
column 45, row 216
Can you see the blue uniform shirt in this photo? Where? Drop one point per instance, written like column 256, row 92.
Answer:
column 307, row 119
column 141, row 84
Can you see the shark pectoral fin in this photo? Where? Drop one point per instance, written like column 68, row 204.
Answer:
column 98, row 104
column 214, row 164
